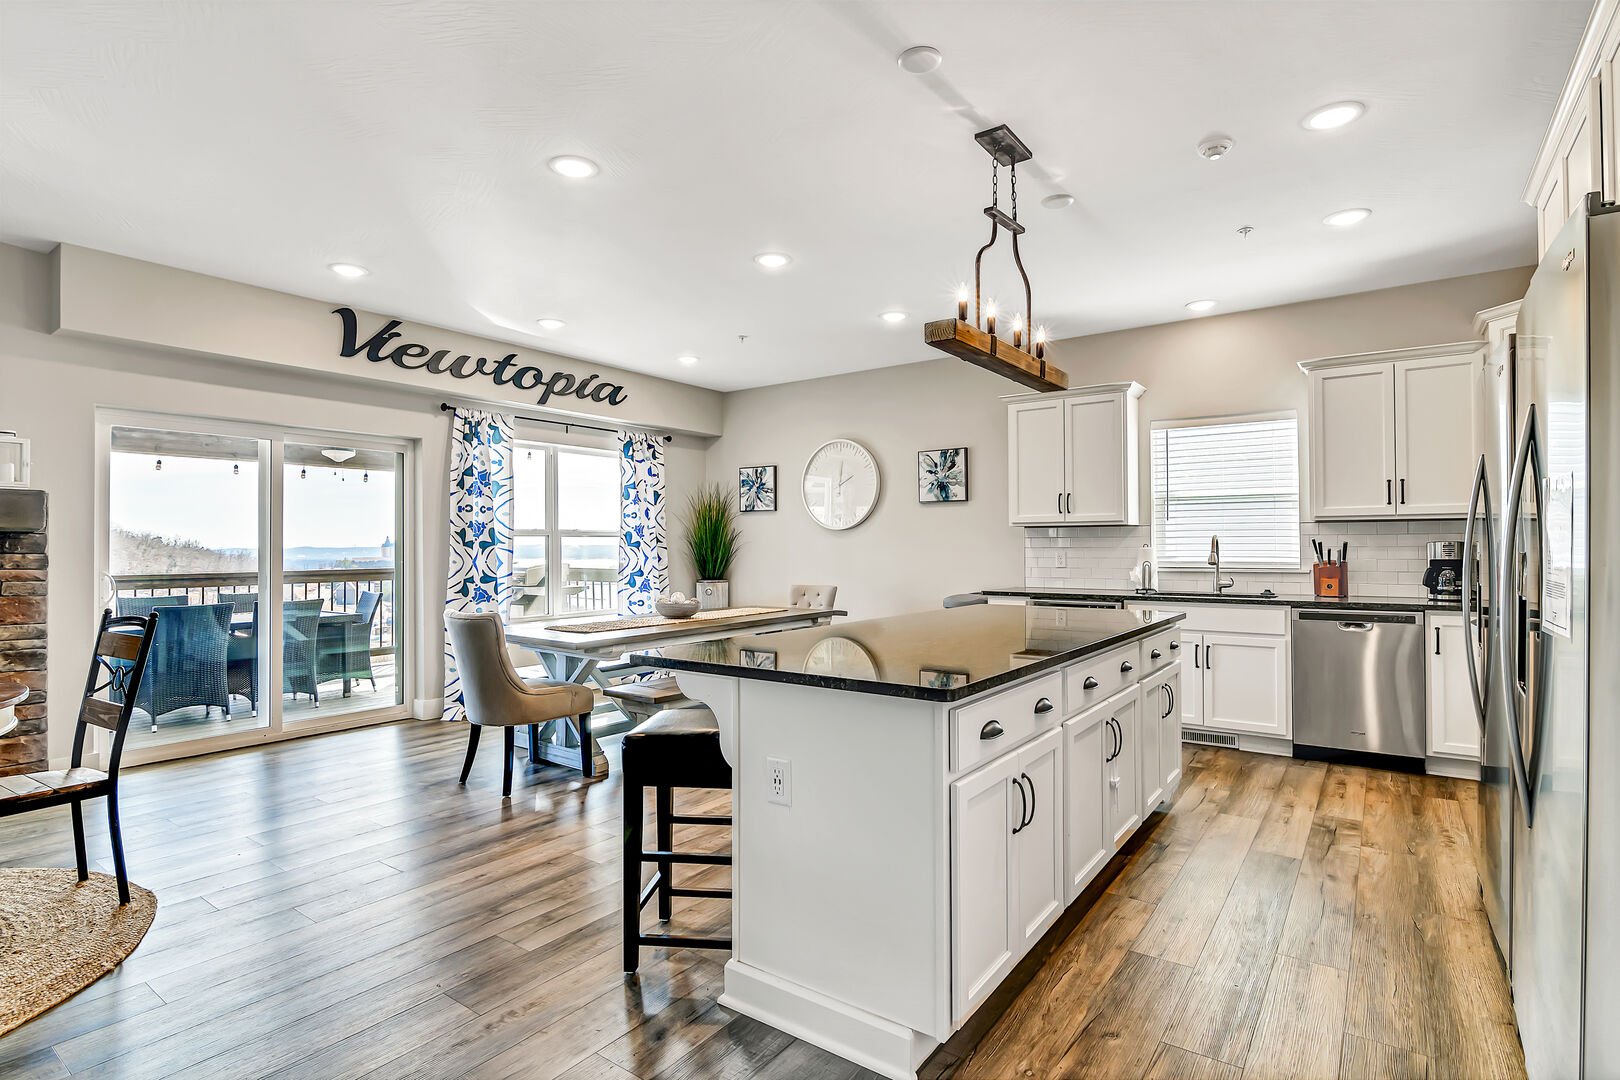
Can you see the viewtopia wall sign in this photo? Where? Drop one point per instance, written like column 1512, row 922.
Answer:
column 381, row 348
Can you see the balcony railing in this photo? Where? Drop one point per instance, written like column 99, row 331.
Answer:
column 340, row 589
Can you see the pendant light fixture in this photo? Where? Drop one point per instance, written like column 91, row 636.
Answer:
column 977, row 341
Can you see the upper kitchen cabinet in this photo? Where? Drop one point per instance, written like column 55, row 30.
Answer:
column 1393, row 434
column 1072, row 457
column 1579, row 153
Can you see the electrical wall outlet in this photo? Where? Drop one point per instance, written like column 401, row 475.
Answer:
column 779, row 781
column 1061, row 557
column 1062, row 618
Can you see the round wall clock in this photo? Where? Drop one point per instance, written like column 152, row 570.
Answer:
column 840, row 484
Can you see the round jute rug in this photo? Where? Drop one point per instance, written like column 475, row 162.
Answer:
column 58, row 935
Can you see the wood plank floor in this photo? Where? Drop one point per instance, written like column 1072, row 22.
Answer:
column 339, row 906
column 1284, row 919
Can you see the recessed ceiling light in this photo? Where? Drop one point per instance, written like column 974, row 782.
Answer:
column 1058, row 202
column 772, row 260
column 893, row 316
column 920, row 59
column 1333, row 116
column 688, row 359
column 1200, row 306
column 551, row 324
column 1343, row 219
column 575, row 168
column 348, row 270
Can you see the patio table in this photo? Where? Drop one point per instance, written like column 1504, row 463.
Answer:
column 574, row 657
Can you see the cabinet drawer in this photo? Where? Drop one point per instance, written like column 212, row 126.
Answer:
column 1097, row 679
column 984, row 729
column 1225, row 618
column 1166, row 644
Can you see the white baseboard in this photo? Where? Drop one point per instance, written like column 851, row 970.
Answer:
column 1265, row 744
column 431, row 708
column 868, row 1040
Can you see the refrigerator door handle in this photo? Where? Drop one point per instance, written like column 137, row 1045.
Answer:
column 1508, row 587
column 1478, row 679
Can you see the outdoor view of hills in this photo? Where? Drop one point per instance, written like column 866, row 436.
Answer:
column 149, row 553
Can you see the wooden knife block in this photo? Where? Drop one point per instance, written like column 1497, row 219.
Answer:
column 1329, row 579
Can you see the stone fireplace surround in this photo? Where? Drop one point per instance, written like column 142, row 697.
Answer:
column 23, row 579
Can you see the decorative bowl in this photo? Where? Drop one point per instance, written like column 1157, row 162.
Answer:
column 676, row 609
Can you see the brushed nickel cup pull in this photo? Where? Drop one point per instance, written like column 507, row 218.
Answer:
column 1089, row 684
column 1155, row 654
column 991, row 730
column 1043, row 706
column 1126, row 668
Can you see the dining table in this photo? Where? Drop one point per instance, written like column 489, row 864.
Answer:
column 573, row 650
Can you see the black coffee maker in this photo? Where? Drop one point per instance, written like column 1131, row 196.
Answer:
column 1443, row 578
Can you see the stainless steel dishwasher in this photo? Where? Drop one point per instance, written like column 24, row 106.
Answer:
column 1358, row 684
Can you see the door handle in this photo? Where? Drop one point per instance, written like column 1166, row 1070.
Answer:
column 1389, row 493
column 1195, row 658
column 1060, row 504
column 1023, row 806
column 1437, row 641
column 1479, row 497
column 1172, row 706
column 1356, row 627
column 1506, row 598
column 1125, row 667
column 1209, row 657
column 1175, row 646
column 1155, row 654
column 1043, row 706
column 1114, row 751
column 1089, row 684
column 1069, row 508
column 992, row 730
column 1403, row 491
column 1031, row 819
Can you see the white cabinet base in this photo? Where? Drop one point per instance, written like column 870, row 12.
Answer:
column 887, row 1048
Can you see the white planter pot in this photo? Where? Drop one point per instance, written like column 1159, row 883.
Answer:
column 713, row 594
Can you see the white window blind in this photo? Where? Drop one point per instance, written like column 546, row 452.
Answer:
column 1237, row 479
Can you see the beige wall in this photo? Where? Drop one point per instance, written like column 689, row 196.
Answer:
column 1245, row 362
column 907, row 555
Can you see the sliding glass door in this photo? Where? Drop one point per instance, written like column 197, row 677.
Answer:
column 273, row 561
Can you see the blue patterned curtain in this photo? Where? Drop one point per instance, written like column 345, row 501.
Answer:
column 643, row 554
column 480, row 576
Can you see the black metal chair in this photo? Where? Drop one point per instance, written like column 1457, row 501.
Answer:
column 118, row 665
column 675, row 748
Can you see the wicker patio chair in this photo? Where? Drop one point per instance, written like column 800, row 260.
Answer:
column 187, row 663
column 141, row 606
column 345, row 644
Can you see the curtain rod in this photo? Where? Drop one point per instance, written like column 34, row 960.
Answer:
column 445, row 406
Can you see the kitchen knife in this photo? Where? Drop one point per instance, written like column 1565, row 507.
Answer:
column 1344, row 552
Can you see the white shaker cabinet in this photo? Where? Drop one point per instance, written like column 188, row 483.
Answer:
column 1393, row 434
column 1161, row 709
column 1087, row 741
column 1037, row 846
column 1233, row 676
column 1246, row 684
column 1072, row 457
column 1453, row 722
column 1122, row 769
column 984, row 811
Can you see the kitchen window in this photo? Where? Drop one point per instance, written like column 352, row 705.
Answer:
column 565, row 514
column 1234, row 477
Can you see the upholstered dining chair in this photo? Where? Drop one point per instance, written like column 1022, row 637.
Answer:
column 118, row 664
column 812, row 596
column 495, row 696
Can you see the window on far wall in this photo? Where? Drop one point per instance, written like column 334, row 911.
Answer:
column 1236, row 478
column 565, row 513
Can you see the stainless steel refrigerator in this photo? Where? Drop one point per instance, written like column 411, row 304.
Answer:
column 1543, row 568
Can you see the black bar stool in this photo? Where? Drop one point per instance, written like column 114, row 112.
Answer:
column 674, row 748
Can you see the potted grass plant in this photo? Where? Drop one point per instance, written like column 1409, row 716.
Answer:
column 712, row 539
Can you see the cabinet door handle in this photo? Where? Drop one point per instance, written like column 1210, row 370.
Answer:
column 1209, row 657
column 1089, row 684
column 1119, row 739
column 1155, row 654
column 1169, row 702
column 1023, row 805
column 1060, row 504
column 1403, row 491
column 992, row 730
column 1043, row 706
column 1125, row 668
column 1437, row 641
column 1031, row 819
column 1196, row 665
column 1069, row 507
column 1389, row 493
column 1175, row 646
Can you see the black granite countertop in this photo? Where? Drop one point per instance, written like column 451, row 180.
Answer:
column 943, row 655
column 1131, row 596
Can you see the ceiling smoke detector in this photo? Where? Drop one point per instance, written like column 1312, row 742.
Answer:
column 1216, row 147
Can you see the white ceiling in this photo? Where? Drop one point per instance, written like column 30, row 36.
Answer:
column 260, row 141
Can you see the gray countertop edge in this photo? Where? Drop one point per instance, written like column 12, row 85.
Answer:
column 910, row 690
column 1350, row 603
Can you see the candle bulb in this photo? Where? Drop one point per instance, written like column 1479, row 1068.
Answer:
column 961, row 304
column 990, row 318
column 1040, row 343
column 1018, row 331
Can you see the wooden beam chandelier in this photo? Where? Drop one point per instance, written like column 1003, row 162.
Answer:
column 977, row 342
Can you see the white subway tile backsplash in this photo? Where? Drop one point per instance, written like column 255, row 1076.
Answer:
column 1387, row 558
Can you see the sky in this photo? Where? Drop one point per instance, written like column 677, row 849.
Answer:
column 202, row 500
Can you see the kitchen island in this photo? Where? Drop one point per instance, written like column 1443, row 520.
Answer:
column 916, row 800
